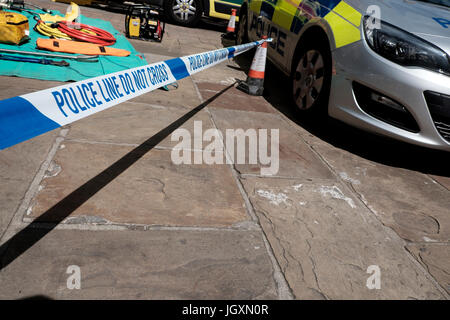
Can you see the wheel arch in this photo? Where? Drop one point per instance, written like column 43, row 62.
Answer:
column 244, row 8
column 314, row 29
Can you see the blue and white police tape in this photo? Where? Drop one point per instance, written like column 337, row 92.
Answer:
column 27, row 116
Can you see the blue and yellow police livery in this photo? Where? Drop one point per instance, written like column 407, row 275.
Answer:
column 382, row 66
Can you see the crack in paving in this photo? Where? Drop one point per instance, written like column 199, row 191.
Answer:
column 436, row 182
column 359, row 196
column 314, row 269
column 111, row 226
column 33, row 188
column 283, row 288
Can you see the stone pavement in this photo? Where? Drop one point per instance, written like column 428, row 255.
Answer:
column 103, row 194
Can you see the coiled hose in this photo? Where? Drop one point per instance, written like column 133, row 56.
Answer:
column 48, row 30
column 83, row 32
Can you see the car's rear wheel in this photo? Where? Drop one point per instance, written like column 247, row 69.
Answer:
column 184, row 12
column 311, row 78
column 242, row 30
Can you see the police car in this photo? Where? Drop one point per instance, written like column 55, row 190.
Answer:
column 382, row 66
column 189, row 12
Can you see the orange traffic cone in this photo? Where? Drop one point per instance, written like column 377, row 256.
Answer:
column 255, row 80
column 232, row 23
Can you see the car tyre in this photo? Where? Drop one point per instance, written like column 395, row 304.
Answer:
column 186, row 13
column 242, row 28
column 311, row 79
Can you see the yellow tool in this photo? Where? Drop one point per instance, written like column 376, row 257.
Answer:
column 144, row 22
column 73, row 12
column 134, row 27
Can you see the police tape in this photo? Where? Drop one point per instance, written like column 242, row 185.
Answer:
column 27, row 116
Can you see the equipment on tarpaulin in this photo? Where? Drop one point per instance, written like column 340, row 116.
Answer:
column 50, row 30
column 68, row 28
column 8, row 57
column 14, row 28
column 144, row 22
column 80, row 58
column 86, row 33
column 68, row 46
column 20, row 5
column 10, row 3
column 73, row 13
column 47, row 24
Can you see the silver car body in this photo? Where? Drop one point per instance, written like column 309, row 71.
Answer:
column 355, row 61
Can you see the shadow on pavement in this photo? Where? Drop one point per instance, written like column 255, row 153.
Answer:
column 37, row 297
column 31, row 234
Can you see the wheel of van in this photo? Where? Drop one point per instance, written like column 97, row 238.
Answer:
column 311, row 78
column 184, row 12
column 242, row 29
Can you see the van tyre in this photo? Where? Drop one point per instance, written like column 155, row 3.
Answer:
column 186, row 13
column 311, row 79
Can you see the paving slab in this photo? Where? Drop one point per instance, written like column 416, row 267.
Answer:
column 405, row 200
column 325, row 241
column 135, row 122
column 20, row 163
column 15, row 86
column 233, row 99
column 153, row 57
column 143, row 265
column 179, row 41
column 436, row 259
column 184, row 96
column 198, row 39
column 225, row 73
column 168, row 47
column 295, row 157
column 151, row 191
column 18, row 166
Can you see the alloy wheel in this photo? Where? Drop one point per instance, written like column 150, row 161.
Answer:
column 308, row 79
column 184, row 9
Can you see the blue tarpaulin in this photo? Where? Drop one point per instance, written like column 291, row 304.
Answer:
column 77, row 70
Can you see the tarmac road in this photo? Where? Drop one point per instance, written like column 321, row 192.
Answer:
column 103, row 194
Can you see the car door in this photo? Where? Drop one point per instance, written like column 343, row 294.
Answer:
column 274, row 18
column 283, row 20
column 222, row 8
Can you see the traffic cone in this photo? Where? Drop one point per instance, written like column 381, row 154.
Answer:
column 232, row 23
column 255, row 79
